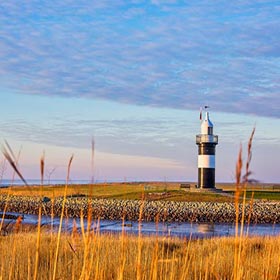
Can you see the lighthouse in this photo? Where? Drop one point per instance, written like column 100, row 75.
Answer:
column 206, row 142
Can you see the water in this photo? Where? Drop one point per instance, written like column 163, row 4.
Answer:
column 187, row 230
column 149, row 228
column 8, row 182
column 36, row 182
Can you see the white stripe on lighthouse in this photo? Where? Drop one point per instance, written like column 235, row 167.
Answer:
column 206, row 161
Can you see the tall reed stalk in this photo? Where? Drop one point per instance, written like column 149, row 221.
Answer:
column 42, row 169
column 241, row 187
column 13, row 160
column 61, row 218
column 140, row 241
column 88, row 234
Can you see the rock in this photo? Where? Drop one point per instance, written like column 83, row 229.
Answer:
column 168, row 211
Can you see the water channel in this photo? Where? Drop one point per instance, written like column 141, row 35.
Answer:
column 186, row 229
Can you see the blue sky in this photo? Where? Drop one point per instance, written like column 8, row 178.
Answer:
column 134, row 74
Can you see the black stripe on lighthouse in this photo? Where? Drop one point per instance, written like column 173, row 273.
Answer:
column 206, row 149
column 206, row 177
column 206, row 165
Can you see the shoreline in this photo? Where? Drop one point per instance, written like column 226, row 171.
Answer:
column 151, row 211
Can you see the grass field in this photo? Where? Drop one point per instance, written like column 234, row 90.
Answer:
column 94, row 256
column 148, row 191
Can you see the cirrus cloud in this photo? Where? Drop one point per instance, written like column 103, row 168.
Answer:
column 177, row 54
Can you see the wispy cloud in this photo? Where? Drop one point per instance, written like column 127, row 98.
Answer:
column 156, row 136
column 166, row 53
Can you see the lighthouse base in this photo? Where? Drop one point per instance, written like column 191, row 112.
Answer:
column 206, row 178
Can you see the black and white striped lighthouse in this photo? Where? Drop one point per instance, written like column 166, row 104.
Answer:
column 206, row 142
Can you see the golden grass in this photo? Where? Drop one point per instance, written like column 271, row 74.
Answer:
column 136, row 257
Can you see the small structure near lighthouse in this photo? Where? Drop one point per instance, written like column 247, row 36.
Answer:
column 206, row 142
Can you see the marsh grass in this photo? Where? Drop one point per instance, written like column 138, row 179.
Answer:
column 106, row 256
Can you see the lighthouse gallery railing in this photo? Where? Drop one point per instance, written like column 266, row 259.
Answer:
column 204, row 138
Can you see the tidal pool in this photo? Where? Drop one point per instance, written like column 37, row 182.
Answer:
column 187, row 230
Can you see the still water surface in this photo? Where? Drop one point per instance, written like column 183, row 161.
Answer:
column 186, row 229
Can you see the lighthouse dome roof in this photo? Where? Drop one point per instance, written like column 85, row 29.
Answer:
column 206, row 125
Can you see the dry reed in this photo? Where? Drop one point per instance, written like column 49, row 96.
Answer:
column 114, row 257
column 241, row 186
column 61, row 218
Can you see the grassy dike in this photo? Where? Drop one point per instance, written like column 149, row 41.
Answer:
column 149, row 191
column 94, row 256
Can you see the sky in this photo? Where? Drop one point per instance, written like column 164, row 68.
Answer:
column 133, row 75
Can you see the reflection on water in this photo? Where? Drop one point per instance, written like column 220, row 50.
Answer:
column 206, row 228
column 193, row 230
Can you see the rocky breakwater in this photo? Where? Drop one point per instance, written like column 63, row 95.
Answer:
column 166, row 211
